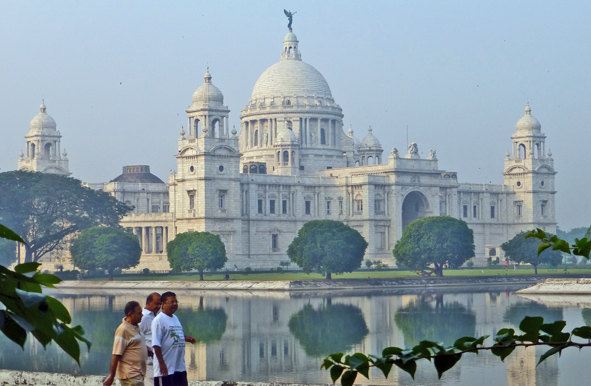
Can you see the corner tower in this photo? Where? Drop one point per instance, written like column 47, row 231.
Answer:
column 43, row 147
column 529, row 172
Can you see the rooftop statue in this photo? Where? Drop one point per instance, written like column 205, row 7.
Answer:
column 289, row 15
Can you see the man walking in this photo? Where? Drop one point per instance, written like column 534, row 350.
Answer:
column 148, row 315
column 128, row 361
column 168, row 343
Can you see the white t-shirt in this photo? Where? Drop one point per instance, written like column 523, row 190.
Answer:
column 167, row 333
column 146, row 325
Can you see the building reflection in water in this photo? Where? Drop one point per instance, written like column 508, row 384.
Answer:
column 281, row 338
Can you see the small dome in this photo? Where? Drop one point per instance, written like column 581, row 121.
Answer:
column 207, row 93
column 370, row 141
column 42, row 121
column 137, row 174
column 528, row 122
column 290, row 37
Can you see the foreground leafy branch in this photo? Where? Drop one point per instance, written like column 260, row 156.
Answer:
column 534, row 333
column 25, row 309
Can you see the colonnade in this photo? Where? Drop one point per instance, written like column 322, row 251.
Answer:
column 312, row 131
column 152, row 239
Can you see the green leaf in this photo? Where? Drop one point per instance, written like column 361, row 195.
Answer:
column 504, row 335
column 385, row 365
column 444, row 362
column 531, row 326
column 67, row 341
column 542, row 247
column 502, row 351
column 348, row 378
column 360, row 363
column 582, row 332
column 550, row 352
column 46, row 279
column 11, row 329
column 26, row 267
column 410, row 366
column 58, row 309
column 335, row 372
column 9, row 234
column 553, row 328
column 391, row 351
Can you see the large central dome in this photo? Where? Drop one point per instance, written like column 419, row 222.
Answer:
column 291, row 77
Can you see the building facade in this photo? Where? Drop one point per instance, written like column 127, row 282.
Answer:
column 292, row 162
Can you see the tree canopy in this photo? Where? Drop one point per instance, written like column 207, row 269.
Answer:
column 439, row 241
column 105, row 249
column 25, row 309
column 523, row 249
column 198, row 251
column 327, row 247
column 207, row 325
column 328, row 328
column 47, row 208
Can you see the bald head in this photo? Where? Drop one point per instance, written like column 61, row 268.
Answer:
column 153, row 302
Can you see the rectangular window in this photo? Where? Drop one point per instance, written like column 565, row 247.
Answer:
column 261, row 350
column 273, row 349
column 358, row 206
column 379, row 206
column 155, row 208
column 381, row 241
column 274, row 242
column 275, row 313
column 308, row 207
column 283, row 206
column 518, row 208
column 260, row 206
column 328, row 202
column 222, row 199
column 272, row 206
column 492, row 211
column 191, row 194
column 285, row 348
column 340, row 206
column 475, row 211
column 165, row 207
column 543, row 207
column 465, row 211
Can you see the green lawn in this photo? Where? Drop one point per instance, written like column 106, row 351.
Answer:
column 390, row 274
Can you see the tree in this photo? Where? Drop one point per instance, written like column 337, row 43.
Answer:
column 439, row 241
column 327, row 247
column 105, row 249
column 523, row 249
column 329, row 328
column 47, row 208
column 25, row 309
column 199, row 251
column 434, row 320
column 535, row 332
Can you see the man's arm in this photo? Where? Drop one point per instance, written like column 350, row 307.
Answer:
column 158, row 353
column 190, row 339
column 108, row 381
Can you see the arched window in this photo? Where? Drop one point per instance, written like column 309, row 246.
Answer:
column 278, row 156
column 32, row 150
column 196, row 128
column 539, row 150
column 292, row 157
column 369, row 160
column 215, row 128
column 245, row 169
column 47, row 150
column 322, row 136
column 253, row 169
column 521, row 151
column 255, row 141
column 285, row 157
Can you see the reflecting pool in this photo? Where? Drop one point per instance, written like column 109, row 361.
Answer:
column 281, row 337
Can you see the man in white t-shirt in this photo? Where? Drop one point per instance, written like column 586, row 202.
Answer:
column 168, row 343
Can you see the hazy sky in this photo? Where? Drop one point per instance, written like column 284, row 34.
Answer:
column 118, row 75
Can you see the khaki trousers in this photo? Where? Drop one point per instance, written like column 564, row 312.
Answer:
column 135, row 381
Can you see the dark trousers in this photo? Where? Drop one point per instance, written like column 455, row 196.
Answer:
column 179, row 378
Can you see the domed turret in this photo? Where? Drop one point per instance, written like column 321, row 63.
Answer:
column 370, row 141
column 528, row 123
column 42, row 121
column 207, row 94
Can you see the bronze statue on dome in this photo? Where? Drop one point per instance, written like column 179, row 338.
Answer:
column 289, row 15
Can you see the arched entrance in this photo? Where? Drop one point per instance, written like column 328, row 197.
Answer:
column 415, row 205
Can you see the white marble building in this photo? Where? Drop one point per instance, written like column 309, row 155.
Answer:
column 293, row 162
